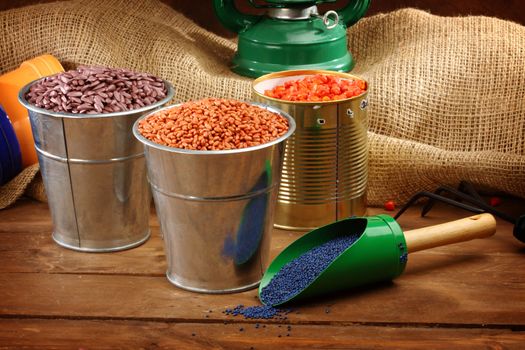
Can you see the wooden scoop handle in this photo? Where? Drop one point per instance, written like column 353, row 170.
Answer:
column 477, row 226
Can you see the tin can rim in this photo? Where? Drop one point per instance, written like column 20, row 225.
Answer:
column 147, row 142
column 289, row 73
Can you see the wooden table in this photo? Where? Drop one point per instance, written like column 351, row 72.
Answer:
column 469, row 295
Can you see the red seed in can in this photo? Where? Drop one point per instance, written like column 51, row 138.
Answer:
column 318, row 87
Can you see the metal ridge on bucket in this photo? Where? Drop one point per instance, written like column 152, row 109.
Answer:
column 289, row 119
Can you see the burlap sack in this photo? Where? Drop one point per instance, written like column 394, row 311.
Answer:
column 447, row 94
column 15, row 188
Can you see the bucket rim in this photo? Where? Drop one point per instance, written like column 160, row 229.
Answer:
column 170, row 92
column 147, row 142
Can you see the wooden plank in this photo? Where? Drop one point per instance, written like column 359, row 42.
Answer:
column 101, row 334
column 26, row 216
column 26, row 246
column 38, row 253
column 29, row 216
column 414, row 300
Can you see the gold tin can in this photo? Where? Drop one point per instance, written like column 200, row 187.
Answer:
column 325, row 170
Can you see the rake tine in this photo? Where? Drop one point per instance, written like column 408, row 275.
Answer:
column 436, row 197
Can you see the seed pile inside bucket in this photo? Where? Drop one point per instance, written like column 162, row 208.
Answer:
column 318, row 87
column 96, row 90
column 213, row 124
column 296, row 275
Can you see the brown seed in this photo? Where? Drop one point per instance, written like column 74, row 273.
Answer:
column 85, row 106
column 97, row 100
column 213, row 124
column 74, row 90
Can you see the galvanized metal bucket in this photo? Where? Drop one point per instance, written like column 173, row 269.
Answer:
column 325, row 167
column 95, row 176
column 215, row 210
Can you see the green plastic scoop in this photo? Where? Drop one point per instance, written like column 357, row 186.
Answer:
column 378, row 254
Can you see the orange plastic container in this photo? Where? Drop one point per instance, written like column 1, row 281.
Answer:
column 10, row 85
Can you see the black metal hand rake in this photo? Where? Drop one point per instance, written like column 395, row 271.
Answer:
column 476, row 204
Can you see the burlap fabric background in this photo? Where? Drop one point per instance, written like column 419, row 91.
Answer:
column 447, row 94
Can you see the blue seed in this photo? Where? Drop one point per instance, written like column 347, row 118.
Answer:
column 292, row 279
column 299, row 273
column 256, row 312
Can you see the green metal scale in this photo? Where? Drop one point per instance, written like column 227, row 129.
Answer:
column 290, row 35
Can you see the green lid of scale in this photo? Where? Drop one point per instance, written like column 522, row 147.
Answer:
column 291, row 35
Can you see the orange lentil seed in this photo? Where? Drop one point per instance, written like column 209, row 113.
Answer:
column 318, row 87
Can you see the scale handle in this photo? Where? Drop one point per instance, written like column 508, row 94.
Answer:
column 477, row 226
column 352, row 12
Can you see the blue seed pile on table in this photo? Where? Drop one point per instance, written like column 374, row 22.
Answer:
column 293, row 278
column 296, row 275
column 263, row 312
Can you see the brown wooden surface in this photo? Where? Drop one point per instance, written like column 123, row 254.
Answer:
column 465, row 296
column 102, row 334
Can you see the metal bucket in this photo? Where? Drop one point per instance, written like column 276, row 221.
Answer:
column 325, row 167
column 215, row 210
column 95, row 176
